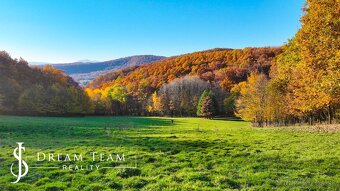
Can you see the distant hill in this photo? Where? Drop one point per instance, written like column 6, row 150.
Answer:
column 83, row 72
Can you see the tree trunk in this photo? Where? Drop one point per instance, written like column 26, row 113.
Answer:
column 310, row 120
column 329, row 114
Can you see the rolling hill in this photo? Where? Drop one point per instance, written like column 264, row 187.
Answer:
column 220, row 69
column 83, row 72
column 219, row 65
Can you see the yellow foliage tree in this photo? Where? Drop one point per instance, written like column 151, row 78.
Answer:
column 252, row 102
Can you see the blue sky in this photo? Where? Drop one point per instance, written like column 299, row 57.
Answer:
column 70, row 30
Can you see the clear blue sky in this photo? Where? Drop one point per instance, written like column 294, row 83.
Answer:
column 70, row 30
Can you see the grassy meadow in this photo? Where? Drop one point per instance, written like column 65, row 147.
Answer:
column 188, row 154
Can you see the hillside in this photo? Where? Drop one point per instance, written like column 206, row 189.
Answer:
column 218, row 65
column 38, row 90
column 222, row 67
column 83, row 72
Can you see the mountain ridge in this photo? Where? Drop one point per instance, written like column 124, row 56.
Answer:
column 84, row 72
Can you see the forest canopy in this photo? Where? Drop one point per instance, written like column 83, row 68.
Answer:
column 305, row 79
column 38, row 91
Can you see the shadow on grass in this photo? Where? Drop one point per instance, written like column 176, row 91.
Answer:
column 55, row 132
column 228, row 119
column 142, row 133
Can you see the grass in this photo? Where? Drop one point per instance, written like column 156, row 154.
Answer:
column 191, row 154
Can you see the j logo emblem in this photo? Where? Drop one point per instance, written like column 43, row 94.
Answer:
column 20, row 163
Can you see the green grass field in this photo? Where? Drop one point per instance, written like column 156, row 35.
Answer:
column 191, row 154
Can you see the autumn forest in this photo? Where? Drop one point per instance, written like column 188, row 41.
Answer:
column 297, row 83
